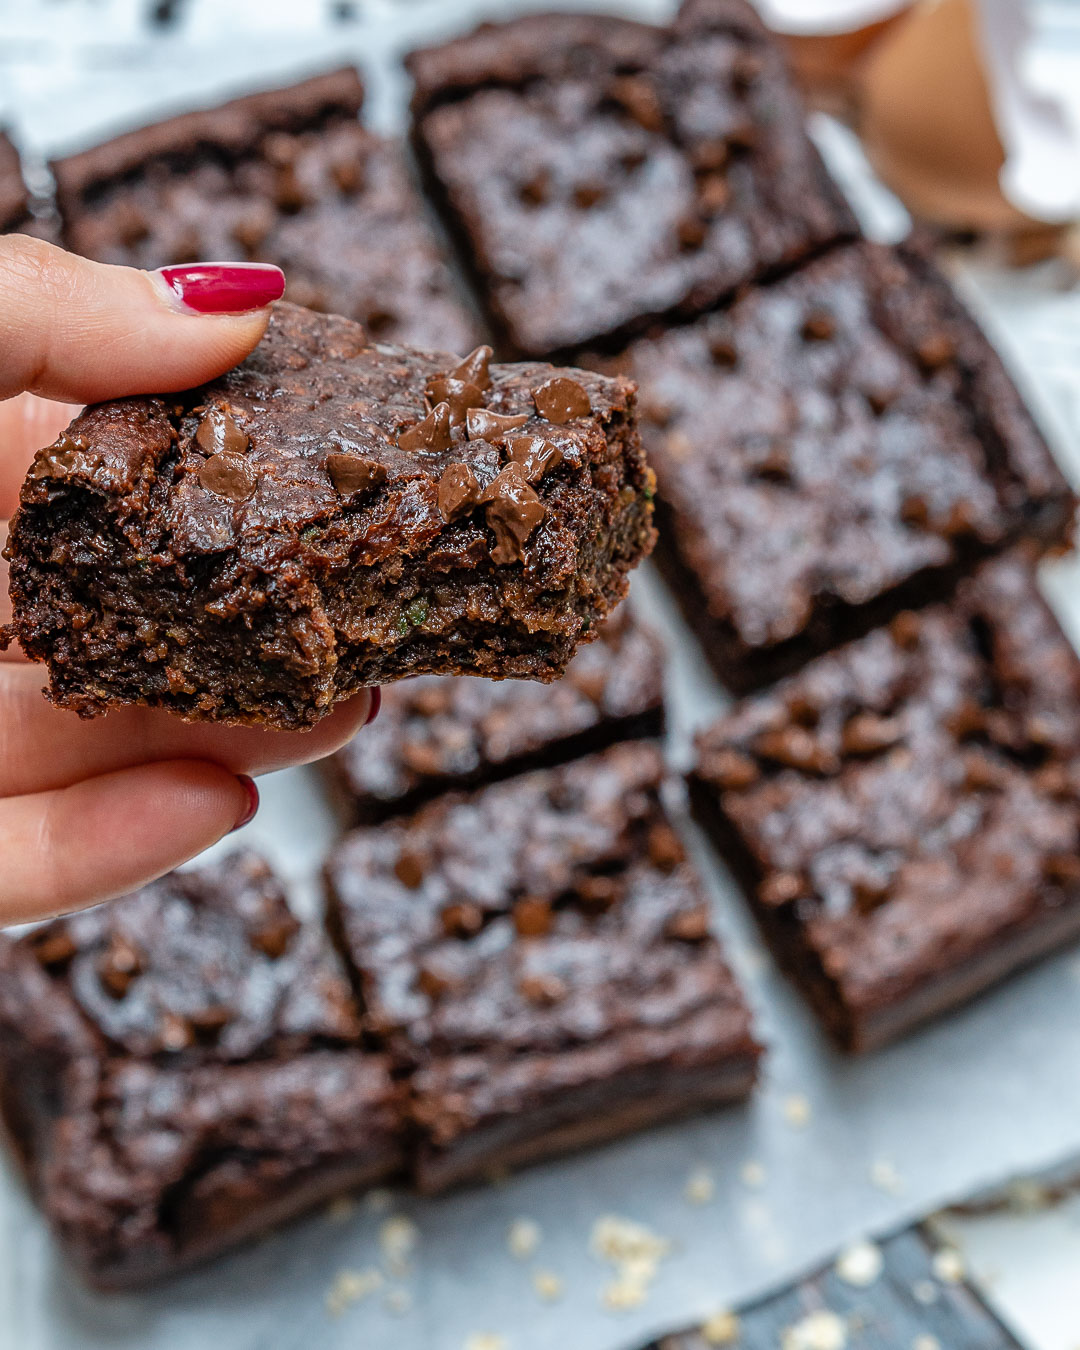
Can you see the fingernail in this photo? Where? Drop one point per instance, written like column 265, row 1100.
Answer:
column 248, row 784
column 376, row 704
column 222, row 288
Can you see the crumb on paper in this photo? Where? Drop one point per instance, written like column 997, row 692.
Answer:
column 486, row 1340
column 722, row 1328
column 397, row 1238
column 821, row 1330
column 622, row 1293
column 635, row 1251
column 547, row 1285
column 861, row 1264
column 924, row 1292
column 752, row 1174
column 523, row 1238
column 349, row 1287
column 700, row 1186
column 1027, row 1196
column 398, row 1301
column 797, row 1111
column 379, row 1200
column 948, row 1266
column 342, row 1209
column 926, row 1342
column 885, row 1177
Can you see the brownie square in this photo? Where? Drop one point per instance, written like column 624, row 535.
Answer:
column 835, row 446
column 287, row 177
column 436, row 732
column 327, row 516
column 183, row 1068
column 537, row 958
column 598, row 172
column 904, row 812
column 14, row 199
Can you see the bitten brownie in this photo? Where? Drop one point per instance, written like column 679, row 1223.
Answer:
column 599, row 172
column 835, row 446
column 288, row 177
column 181, row 1069
column 538, row 958
column 329, row 515
column 904, row 812
column 435, row 732
column 14, row 200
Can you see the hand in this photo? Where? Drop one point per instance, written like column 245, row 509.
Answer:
column 89, row 810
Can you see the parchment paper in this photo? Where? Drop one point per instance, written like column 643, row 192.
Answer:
column 992, row 1090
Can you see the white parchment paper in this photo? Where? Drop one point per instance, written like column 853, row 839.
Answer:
column 829, row 1149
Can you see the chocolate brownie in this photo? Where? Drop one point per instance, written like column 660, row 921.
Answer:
column 437, row 732
column 329, row 515
column 904, row 812
column 537, row 957
column 288, row 177
column 183, row 1068
column 599, row 172
column 833, row 447
column 14, row 199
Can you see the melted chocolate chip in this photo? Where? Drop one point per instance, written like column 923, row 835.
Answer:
column 665, row 847
column 459, row 396
column 433, row 433
column 588, row 195
column 637, row 96
column 353, row 473
column 228, row 475
column 462, row 920
column 692, row 925
column 217, row 432
column 59, row 459
column 935, row 350
column 409, row 869
column 781, row 888
column 536, row 455
column 513, row 512
column 273, row 938
column 543, row 990
column 818, row 327
column 866, row 733
column 533, row 918
column 561, row 400
column 484, row 425
column 475, row 369
column 458, row 492
column 730, row 770
column 54, row 950
column 119, row 965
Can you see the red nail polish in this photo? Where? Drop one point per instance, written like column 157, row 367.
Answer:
column 252, row 800
column 223, row 288
column 376, row 704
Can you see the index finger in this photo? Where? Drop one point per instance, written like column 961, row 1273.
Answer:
column 26, row 424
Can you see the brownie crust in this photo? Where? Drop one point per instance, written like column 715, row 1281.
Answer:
column 834, row 447
column 905, row 813
column 322, row 519
column 598, row 172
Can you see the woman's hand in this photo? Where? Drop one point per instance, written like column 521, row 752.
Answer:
column 89, row 810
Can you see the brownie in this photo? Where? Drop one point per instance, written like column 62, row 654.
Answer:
column 598, row 172
column 327, row 516
column 435, row 732
column 14, row 199
column 183, row 1068
column 833, row 447
column 904, row 812
column 537, row 958
column 287, row 177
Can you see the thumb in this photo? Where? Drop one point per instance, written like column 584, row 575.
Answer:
column 81, row 331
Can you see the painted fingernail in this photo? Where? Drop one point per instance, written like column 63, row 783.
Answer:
column 222, row 288
column 248, row 815
column 376, row 704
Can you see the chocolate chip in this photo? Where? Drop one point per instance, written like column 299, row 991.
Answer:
column 869, row 893
column 1062, row 868
column 665, row 847
column 775, row 467
column 543, row 990
column 273, row 937
column 484, row 425
column 692, row 925
column 803, row 710
column 914, row 510
column 722, row 349
column 881, row 400
column 119, row 965
column 691, row 233
column 533, row 918
column 289, row 195
column 980, row 772
column 1053, row 779
column 176, row 1033
column 638, row 97
column 535, row 192
column 536, row 455
column 348, row 175
column 587, row 195
column 409, row 869
column 905, row 629
column 781, row 888
column 54, row 949
column 730, row 770
column 456, row 394
column 458, row 492
column 218, row 433
column 959, row 523
column 713, row 194
column 710, row 156
column 967, row 720
column 797, row 749
column 819, row 327
column 934, row 351
column 560, row 400
column 229, row 476
column 432, row 983
column 513, row 512
column 743, row 137
column 353, row 473
column 252, row 227
column 598, row 893
column 866, row 733
column 433, row 433
column 209, row 1023
column 475, row 368
column 462, row 920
